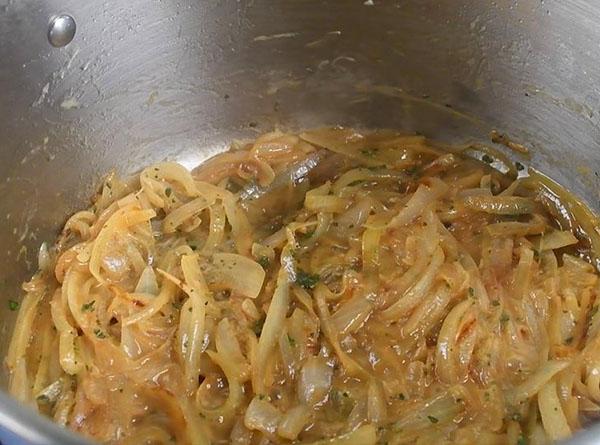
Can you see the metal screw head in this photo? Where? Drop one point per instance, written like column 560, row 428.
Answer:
column 61, row 30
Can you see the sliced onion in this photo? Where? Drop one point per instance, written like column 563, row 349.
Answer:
column 440, row 409
column 147, row 283
column 355, row 216
column 425, row 194
column 535, row 226
column 376, row 404
column 532, row 385
column 557, row 240
column 501, row 205
column 262, row 416
column 319, row 200
column 129, row 343
column 44, row 262
column 236, row 272
column 240, row 435
column 315, row 380
column 250, row 310
column 351, row 316
column 293, row 422
column 551, row 411
column 364, row 435
column 365, row 174
column 51, row 392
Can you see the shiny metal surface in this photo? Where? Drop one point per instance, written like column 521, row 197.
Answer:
column 61, row 30
column 143, row 81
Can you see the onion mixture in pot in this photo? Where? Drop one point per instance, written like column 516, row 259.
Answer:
column 331, row 287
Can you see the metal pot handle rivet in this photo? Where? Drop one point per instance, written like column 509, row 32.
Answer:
column 61, row 30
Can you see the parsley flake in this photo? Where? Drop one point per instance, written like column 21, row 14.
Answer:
column 306, row 280
column 88, row 307
column 257, row 327
column 291, row 340
column 264, row 261
column 368, row 152
column 414, row 170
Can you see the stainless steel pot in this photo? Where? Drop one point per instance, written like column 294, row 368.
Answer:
column 145, row 80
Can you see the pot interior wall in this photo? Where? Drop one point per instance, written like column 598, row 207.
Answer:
column 143, row 81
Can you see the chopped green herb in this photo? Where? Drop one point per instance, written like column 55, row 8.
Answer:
column 264, row 261
column 13, row 305
column 471, row 292
column 88, row 307
column 401, row 396
column 433, row 419
column 522, row 440
column 261, row 397
column 306, row 235
column 368, row 152
column 495, row 302
column 257, row 327
column 168, row 191
column 487, row 159
column 98, row 333
column 504, row 318
column 569, row 340
column 291, row 340
column 177, row 304
column 306, row 280
column 414, row 170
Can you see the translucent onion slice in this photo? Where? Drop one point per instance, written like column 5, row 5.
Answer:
column 262, row 416
column 236, row 272
column 315, row 380
column 364, row 435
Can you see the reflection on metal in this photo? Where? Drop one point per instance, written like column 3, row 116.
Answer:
column 61, row 30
